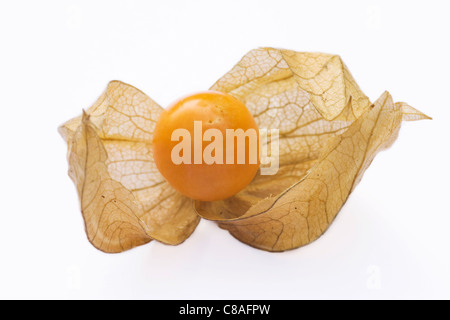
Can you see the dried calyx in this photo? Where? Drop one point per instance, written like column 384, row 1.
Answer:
column 329, row 134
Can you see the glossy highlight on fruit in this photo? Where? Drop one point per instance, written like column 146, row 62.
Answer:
column 195, row 151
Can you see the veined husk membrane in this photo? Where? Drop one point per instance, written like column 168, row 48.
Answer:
column 329, row 133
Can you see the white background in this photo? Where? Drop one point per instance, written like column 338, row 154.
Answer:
column 391, row 240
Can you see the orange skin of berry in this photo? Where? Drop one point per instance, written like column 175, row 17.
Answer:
column 202, row 181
